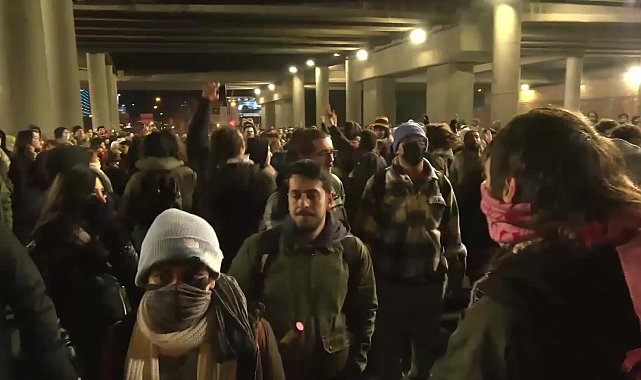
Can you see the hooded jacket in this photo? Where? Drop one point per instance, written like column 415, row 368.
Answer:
column 318, row 283
column 549, row 311
column 632, row 156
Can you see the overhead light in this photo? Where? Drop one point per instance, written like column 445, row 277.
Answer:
column 161, row 114
column 158, row 100
column 271, row 87
column 633, row 75
column 133, row 104
column 257, row 91
column 155, row 107
column 479, row 90
column 418, row 36
column 122, row 105
column 90, row 115
column 293, row 69
column 525, row 87
column 337, row 54
column 362, row 55
column 310, row 63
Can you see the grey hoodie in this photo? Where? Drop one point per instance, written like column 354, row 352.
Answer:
column 632, row 157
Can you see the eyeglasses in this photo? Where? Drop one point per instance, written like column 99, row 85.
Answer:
column 327, row 153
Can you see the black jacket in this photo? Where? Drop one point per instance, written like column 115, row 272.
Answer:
column 22, row 288
column 233, row 198
column 70, row 264
column 26, row 198
column 550, row 311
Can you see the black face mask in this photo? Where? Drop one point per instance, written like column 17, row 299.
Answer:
column 176, row 307
column 413, row 152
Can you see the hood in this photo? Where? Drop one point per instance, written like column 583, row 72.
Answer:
column 626, row 148
column 158, row 163
column 333, row 233
column 448, row 153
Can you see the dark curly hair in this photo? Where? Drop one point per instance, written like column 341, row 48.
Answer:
column 440, row 136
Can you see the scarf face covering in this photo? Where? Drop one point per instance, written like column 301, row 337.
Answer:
column 502, row 217
column 175, row 307
column 146, row 345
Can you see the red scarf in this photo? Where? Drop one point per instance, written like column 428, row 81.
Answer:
column 502, row 218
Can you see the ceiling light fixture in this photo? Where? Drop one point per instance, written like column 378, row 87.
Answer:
column 418, row 36
column 362, row 55
column 337, row 54
column 158, row 99
column 271, row 87
column 257, row 91
column 310, row 63
column 525, row 87
column 293, row 69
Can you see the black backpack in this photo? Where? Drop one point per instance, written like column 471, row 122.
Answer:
column 159, row 191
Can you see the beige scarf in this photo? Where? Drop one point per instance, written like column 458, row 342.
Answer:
column 146, row 345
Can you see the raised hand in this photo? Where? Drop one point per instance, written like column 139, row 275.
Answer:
column 210, row 91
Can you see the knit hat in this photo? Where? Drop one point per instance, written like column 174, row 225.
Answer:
column 177, row 235
column 405, row 130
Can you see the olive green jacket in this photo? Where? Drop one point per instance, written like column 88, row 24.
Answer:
column 331, row 292
column 6, row 214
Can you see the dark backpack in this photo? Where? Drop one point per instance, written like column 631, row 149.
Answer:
column 159, row 191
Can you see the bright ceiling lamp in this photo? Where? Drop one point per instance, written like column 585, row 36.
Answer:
column 525, row 87
column 310, row 63
column 293, row 69
column 271, row 87
column 257, row 91
column 362, row 55
column 418, row 36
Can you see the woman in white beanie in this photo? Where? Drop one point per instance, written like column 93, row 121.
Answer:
column 193, row 322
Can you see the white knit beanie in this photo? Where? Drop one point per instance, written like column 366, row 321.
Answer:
column 176, row 235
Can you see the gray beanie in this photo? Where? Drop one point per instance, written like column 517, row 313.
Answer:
column 176, row 235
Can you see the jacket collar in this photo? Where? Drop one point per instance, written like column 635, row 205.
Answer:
column 399, row 174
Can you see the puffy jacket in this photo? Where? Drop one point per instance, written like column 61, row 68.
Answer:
column 22, row 288
column 331, row 291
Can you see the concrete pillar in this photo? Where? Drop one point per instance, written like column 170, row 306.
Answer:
column 98, row 90
column 24, row 88
column 322, row 92
column 506, row 61
column 284, row 114
column 450, row 93
column 379, row 99
column 62, row 62
column 353, row 95
column 112, row 88
column 298, row 99
column 268, row 112
column 573, row 74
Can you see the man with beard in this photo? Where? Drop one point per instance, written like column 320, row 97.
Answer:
column 410, row 222
column 316, row 282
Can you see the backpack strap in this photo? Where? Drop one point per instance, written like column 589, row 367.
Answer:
column 378, row 189
column 268, row 246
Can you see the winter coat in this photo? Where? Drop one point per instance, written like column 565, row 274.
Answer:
column 331, row 291
column 233, row 198
column 348, row 155
column 69, row 261
column 5, row 164
column 26, row 198
column 22, row 289
column 6, row 213
column 233, row 203
column 368, row 164
column 235, row 338
column 549, row 311
column 441, row 160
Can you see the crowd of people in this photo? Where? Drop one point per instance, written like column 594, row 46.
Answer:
column 444, row 251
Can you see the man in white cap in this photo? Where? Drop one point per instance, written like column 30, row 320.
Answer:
column 410, row 222
column 193, row 321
